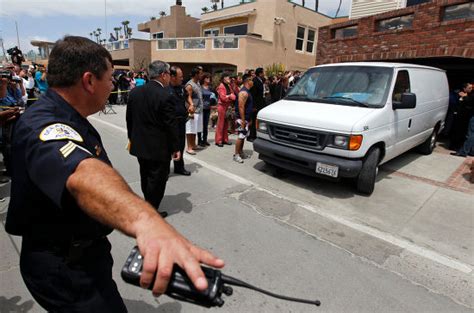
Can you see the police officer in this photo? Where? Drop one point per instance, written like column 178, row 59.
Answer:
column 66, row 197
column 178, row 97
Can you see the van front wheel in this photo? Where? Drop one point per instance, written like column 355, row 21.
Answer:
column 368, row 173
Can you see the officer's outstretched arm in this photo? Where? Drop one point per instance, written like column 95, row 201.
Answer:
column 115, row 204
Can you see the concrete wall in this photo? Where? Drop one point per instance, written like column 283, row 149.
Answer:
column 140, row 55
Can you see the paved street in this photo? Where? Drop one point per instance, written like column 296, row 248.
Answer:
column 407, row 248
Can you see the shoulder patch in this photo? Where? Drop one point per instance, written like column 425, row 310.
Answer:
column 60, row 131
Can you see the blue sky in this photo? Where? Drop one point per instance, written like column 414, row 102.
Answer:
column 52, row 19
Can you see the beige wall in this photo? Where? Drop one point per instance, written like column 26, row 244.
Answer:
column 140, row 55
column 177, row 24
column 277, row 45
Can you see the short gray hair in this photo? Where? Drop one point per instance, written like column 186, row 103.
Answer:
column 156, row 68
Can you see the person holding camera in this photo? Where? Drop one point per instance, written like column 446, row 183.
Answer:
column 40, row 80
column 56, row 206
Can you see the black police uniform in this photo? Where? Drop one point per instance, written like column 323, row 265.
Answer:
column 178, row 98
column 65, row 258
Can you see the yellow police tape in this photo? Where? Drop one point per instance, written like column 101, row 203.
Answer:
column 119, row 91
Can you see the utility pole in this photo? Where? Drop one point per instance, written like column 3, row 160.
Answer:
column 3, row 50
column 17, row 36
column 105, row 10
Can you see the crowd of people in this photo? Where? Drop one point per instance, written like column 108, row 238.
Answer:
column 214, row 106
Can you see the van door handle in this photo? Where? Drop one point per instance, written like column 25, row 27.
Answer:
column 409, row 124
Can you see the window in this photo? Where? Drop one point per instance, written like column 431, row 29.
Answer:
column 341, row 85
column 211, row 32
column 350, row 31
column 300, row 38
column 396, row 23
column 402, row 85
column 415, row 2
column 459, row 11
column 159, row 35
column 237, row 30
column 310, row 40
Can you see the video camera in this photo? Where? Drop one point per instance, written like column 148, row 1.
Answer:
column 16, row 55
column 6, row 74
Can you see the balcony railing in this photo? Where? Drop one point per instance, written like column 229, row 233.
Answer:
column 117, row 45
column 198, row 43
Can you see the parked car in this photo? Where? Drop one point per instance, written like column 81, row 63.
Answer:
column 344, row 120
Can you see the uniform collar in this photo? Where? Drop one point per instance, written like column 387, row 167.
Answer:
column 64, row 109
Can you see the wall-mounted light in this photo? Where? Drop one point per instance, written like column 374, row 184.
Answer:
column 279, row 20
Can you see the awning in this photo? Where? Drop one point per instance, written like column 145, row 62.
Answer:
column 227, row 16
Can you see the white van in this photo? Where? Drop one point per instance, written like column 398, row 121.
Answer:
column 344, row 120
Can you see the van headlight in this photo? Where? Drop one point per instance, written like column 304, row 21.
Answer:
column 262, row 126
column 341, row 141
column 352, row 143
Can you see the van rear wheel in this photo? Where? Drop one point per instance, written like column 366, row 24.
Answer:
column 368, row 173
column 428, row 146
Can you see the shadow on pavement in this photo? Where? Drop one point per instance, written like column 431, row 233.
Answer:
column 192, row 167
column 342, row 189
column 174, row 204
column 13, row 305
column 142, row 307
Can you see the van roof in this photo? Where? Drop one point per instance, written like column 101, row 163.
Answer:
column 383, row 64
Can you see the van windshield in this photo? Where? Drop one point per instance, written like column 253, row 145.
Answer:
column 365, row 86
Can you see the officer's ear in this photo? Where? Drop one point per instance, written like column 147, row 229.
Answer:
column 88, row 80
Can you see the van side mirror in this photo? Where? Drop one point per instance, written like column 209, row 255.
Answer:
column 408, row 102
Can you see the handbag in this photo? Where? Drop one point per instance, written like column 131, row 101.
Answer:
column 229, row 113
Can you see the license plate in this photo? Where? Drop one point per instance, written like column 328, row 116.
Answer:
column 327, row 170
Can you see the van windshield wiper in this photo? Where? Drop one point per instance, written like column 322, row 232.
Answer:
column 297, row 97
column 361, row 104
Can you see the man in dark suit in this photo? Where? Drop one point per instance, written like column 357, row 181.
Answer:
column 152, row 131
column 178, row 98
column 257, row 92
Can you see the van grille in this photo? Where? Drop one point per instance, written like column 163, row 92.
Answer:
column 298, row 136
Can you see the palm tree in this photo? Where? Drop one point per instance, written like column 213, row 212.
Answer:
column 96, row 36
column 117, row 29
column 152, row 18
column 125, row 27
column 162, row 13
column 338, row 8
column 205, row 9
column 91, row 34
column 99, row 31
column 129, row 32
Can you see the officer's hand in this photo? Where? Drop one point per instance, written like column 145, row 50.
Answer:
column 176, row 155
column 162, row 247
